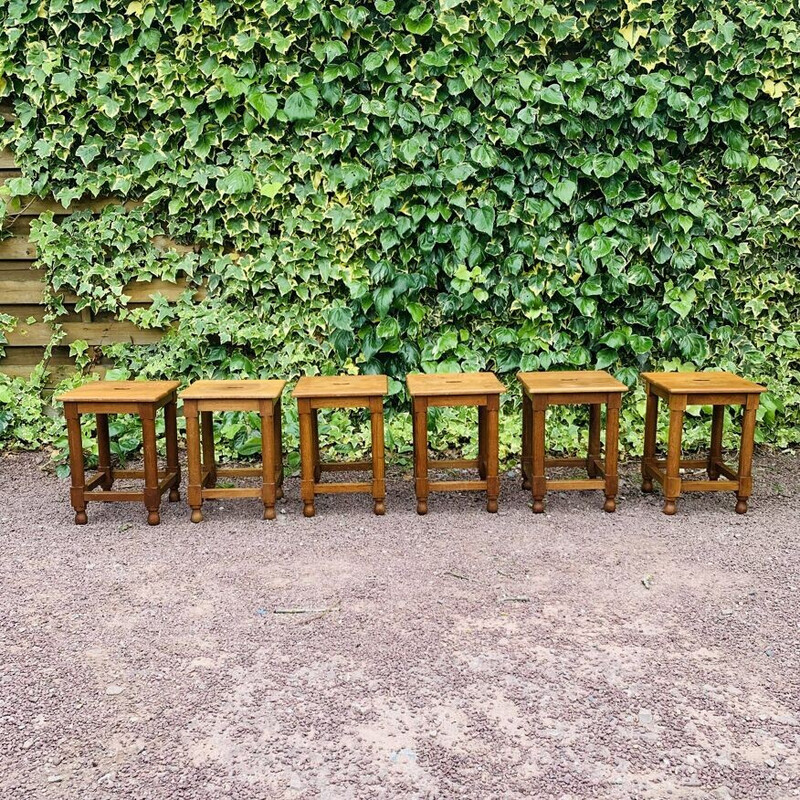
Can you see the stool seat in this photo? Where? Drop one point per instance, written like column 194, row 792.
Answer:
column 481, row 389
column 200, row 400
column 593, row 388
column 102, row 398
column 682, row 389
column 314, row 392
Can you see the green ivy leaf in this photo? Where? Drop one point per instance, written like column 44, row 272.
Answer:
column 265, row 104
column 301, row 105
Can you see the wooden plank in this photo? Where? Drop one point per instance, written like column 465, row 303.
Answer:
column 341, row 488
column 709, row 486
column 7, row 159
column 456, row 486
column 221, row 494
column 17, row 248
column 14, row 266
column 7, row 113
column 576, row 485
column 39, row 334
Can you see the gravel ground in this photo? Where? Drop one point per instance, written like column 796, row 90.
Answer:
column 460, row 655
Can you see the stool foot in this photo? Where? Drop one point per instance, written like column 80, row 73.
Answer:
column 197, row 515
column 610, row 505
column 81, row 518
column 174, row 495
column 279, row 493
column 670, row 507
column 713, row 474
column 422, row 507
column 380, row 507
column 538, row 505
column 741, row 505
column 491, row 505
column 269, row 512
column 647, row 485
column 308, row 509
column 153, row 518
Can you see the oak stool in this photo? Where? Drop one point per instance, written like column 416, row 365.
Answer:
column 595, row 389
column 200, row 400
column 481, row 389
column 681, row 389
column 340, row 391
column 102, row 398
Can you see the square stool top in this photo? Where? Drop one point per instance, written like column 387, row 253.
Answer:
column 341, row 386
column 453, row 383
column 234, row 390
column 570, row 382
column 702, row 383
column 120, row 392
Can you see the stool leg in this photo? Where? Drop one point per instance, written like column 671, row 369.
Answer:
column 268, row 459
column 421, row 453
column 746, row 453
column 76, row 469
column 492, row 446
column 194, row 491
column 482, row 442
column 278, row 433
column 104, row 452
column 209, row 459
column 306, row 456
column 152, row 497
column 672, row 478
column 594, row 440
column 315, row 443
column 538, row 477
column 715, row 452
column 527, row 434
column 650, row 427
column 378, row 460
column 171, row 432
column 612, row 450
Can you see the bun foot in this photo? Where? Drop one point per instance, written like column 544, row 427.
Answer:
column 197, row 515
column 741, row 506
column 422, row 507
column 279, row 493
column 174, row 495
column 670, row 507
column 610, row 505
column 269, row 512
column 308, row 509
column 380, row 507
column 647, row 485
column 153, row 518
column 491, row 505
column 81, row 518
column 538, row 505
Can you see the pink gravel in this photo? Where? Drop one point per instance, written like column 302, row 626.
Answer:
column 457, row 655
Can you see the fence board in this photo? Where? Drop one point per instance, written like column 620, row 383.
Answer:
column 7, row 159
column 39, row 334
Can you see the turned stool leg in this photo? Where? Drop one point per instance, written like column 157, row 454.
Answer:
column 209, row 459
column 194, row 492
column 672, row 478
column 378, row 460
column 315, row 444
column 421, row 453
column 482, row 442
column 612, row 450
column 306, row 456
column 152, row 497
column 278, row 434
column 491, row 415
column 715, row 452
column 527, row 433
column 746, row 453
column 171, row 433
column 268, row 488
column 76, row 469
column 593, row 451
column 538, row 477
column 650, row 429
column 104, row 452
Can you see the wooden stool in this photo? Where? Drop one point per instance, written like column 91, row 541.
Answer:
column 342, row 391
column 717, row 389
column 122, row 397
column 199, row 401
column 481, row 389
column 595, row 389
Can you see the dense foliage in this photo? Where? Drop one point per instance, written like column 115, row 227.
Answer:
column 401, row 185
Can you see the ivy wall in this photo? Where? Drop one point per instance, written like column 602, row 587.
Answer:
column 401, row 186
